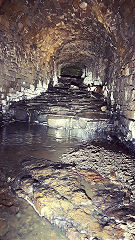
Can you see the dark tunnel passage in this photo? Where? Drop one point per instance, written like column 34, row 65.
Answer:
column 71, row 71
column 67, row 119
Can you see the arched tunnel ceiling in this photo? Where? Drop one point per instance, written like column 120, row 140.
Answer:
column 60, row 31
column 83, row 51
column 39, row 37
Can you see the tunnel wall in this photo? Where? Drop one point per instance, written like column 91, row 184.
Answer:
column 38, row 37
column 19, row 76
column 123, row 96
column 118, row 19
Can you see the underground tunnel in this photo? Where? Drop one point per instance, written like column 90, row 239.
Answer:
column 67, row 119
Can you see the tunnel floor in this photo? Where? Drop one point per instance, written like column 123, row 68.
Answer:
column 78, row 177
column 73, row 185
column 64, row 102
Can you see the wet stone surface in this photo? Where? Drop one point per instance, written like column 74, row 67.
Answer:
column 81, row 202
column 111, row 159
column 18, row 221
column 63, row 107
column 78, row 111
column 86, row 191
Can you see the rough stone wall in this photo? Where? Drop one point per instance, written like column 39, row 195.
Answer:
column 125, row 97
column 33, row 36
column 121, row 79
column 19, row 76
column 118, row 19
column 38, row 38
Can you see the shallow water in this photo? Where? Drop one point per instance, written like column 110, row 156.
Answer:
column 27, row 225
column 23, row 141
column 19, row 142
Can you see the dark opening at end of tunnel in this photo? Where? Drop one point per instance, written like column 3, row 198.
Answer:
column 71, row 71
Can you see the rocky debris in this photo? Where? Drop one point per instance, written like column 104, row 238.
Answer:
column 81, row 202
column 95, row 180
column 18, row 220
column 3, row 227
column 67, row 81
column 103, row 108
column 63, row 101
column 63, row 107
column 112, row 162
column 109, row 159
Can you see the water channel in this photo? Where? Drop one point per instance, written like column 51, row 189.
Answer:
column 21, row 141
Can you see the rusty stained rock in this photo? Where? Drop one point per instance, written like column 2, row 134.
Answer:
column 77, row 201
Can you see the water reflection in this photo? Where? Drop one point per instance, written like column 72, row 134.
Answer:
column 20, row 141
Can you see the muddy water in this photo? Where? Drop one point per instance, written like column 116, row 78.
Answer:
column 27, row 225
column 20, row 142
